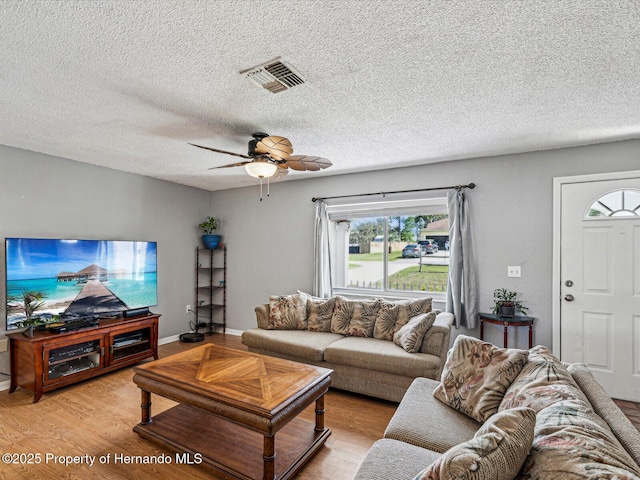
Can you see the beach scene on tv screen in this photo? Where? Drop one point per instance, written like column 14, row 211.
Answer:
column 51, row 279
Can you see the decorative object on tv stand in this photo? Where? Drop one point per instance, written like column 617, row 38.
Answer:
column 507, row 303
column 211, row 241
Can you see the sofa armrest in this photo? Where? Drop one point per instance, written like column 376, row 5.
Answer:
column 436, row 340
column 602, row 404
column 262, row 315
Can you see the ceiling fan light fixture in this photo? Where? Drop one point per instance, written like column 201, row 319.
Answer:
column 261, row 169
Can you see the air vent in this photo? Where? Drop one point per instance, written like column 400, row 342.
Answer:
column 275, row 76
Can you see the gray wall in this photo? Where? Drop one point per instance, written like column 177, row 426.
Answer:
column 270, row 243
column 50, row 197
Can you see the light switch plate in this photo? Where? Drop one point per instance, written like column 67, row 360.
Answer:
column 514, row 271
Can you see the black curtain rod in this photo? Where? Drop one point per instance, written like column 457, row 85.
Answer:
column 458, row 187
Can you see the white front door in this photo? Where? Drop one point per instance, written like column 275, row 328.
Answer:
column 600, row 281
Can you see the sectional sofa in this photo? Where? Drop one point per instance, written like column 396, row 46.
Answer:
column 362, row 341
column 503, row 414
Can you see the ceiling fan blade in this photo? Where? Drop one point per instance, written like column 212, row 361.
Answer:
column 308, row 163
column 238, row 164
column 221, row 151
column 280, row 173
column 278, row 148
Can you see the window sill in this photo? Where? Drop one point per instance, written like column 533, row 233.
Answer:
column 439, row 297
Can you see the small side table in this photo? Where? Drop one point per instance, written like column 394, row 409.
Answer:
column 507, row 321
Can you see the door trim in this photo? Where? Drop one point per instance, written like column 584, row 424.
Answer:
column 558, row 182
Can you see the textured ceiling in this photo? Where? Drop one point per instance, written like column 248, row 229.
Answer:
column 127, row 84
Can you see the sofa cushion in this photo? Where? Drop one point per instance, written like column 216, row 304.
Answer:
column 390, row 459
column 410, row 335
column 426, row 422
column 394, row 314
column 380, row 355
column 568, row 431
column 496, row 452
column 287, row 312
column 476, row 376
column 319, row 312
column 355, row 317
column 302, row 344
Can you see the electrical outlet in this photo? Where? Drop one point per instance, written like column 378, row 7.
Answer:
column 188, row 308
column 514, row 271
column 4, row 344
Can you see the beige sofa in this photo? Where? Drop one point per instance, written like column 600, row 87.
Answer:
column 576, row 431
column 365, row 365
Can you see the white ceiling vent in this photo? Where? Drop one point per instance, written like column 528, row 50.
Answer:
column 275, row 76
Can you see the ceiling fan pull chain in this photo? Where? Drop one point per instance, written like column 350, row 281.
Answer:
column 268, row 187
column 260, row 188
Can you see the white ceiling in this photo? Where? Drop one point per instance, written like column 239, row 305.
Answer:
column 127, row 84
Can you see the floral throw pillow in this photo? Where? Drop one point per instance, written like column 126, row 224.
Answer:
column 355, row 318
column 319, row 312
column 287, row 312
column 394, row 315
column 568, row 432
column 410, row 336
column 496, row 452
column 477, row 375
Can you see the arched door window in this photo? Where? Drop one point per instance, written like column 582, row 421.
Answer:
column 621, row 203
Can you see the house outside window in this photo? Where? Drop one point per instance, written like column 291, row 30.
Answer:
column 390, row 249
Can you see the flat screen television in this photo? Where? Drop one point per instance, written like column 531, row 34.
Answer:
column 57, row 279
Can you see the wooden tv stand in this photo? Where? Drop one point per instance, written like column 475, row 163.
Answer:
column 47, row 361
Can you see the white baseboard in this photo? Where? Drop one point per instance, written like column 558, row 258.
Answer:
column 165, row 340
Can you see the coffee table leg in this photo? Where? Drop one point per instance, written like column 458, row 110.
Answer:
column 145, row 404
column 320, row 414
column 269, row 456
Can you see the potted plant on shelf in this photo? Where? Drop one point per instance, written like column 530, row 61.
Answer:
column 211, row 240
column 507, row 303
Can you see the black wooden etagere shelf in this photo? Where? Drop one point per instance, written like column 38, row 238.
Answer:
column 211, row 289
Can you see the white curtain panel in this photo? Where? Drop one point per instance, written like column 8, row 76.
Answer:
column 462, row 289
column 321, row 253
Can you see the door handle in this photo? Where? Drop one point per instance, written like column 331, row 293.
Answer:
column 569, row 298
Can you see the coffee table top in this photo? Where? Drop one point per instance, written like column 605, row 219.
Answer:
column 235, row 377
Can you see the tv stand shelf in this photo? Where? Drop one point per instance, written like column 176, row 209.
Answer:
column 47, row 361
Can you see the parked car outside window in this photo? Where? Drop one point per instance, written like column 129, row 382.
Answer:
column 428, row 246
column 411, row 251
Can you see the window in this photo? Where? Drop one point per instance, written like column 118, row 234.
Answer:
column 391, row 248
column 621, row 203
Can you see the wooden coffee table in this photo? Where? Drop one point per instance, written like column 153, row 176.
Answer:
column 231, row 405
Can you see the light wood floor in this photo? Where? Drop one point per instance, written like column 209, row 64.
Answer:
column 96, row 418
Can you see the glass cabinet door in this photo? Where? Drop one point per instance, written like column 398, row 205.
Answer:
column 61, row 361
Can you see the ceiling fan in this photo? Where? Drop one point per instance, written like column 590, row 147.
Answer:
column 269, row 157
